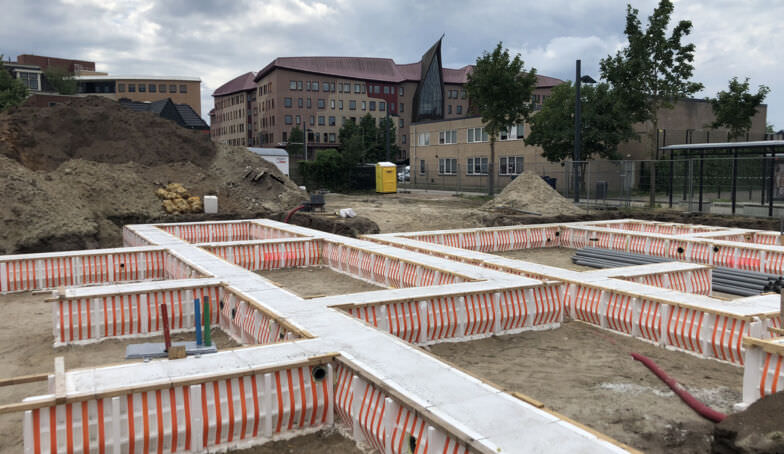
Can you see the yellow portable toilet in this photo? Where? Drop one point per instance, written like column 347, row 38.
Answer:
column 386, row 177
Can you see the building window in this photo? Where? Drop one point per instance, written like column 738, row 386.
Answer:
column 30, row 80
column 321, row 103
column 372, row 105
column 286, row 102
column 447, row 137
column 424, row 139
column 382, row 106
column 292, row 85
column 449, row 109
column 400, row 123
column 162, row 88
column 352, row 105
column 332, row 87
column 307, row 85
column 519, row 131
column 299, row 85
column 152, row 88
column 121, row 88
column 331, row 137
column 142, row 88
column 364, row 105
column 340, row 88
column 300, row 102
column 172, row 88
column 321, row 120
column 347, row 88
column 400, row 93
column 312, row 120
column 332, row 121
column 459, row 109
column 422, row 168
column 325, row 86
column 298, row 119
column 314, row 86
column 447, row 166
column 431, row 94
column 287, row 119
column 357, row 88
column 309, row 103
column 285, row 135
column 391, row 107
column 403, row 139
column 476, row 166
column 386, row 89
column 376, row 89
column 401, row 106
column 131, row 88
column 512, row 165
column 340, row 104
column 476, row 135
column 462, row 94
column 183, row 89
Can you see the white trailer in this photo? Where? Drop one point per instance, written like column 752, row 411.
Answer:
column 277, row 156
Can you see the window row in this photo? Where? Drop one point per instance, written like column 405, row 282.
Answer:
column 508, row 165
column 456, row 94
column 152, row 88
column 321, row 104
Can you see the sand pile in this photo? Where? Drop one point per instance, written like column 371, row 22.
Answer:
column 758, row 429
column 71, row 175
column 529, row 193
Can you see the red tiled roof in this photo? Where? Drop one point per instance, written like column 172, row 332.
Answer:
column 377, row 69
column 239, row 83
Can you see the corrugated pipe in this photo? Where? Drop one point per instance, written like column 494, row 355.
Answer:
column 701, row 409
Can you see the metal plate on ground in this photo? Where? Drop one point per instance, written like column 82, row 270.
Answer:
column 157, row 349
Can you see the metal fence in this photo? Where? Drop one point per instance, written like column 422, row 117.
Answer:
column 751, row 186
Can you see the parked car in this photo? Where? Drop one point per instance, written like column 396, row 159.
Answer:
column 404, row 174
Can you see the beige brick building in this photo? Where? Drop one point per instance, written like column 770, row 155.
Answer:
column 181, row 89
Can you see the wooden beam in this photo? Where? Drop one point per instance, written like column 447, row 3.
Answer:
column 24, row 379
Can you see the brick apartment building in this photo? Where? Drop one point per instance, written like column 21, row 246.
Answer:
column 319, row 94
column 181, row 90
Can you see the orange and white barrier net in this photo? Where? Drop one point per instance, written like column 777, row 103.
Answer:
column 249, row 325
column 276, row 254
column 763, row 373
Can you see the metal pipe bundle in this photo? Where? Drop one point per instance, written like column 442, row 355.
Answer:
column 727, row 280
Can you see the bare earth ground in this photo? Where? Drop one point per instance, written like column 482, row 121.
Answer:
column 407, row 212
column 26, row 348
column 588, row 375
column 317, row 281
column 554, row 256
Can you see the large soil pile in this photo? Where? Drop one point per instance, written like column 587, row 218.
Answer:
column 529, row 193
column 758, row 429
column 71, row 175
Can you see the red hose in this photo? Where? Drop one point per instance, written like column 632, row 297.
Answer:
column 291, row 213
column 702, row 409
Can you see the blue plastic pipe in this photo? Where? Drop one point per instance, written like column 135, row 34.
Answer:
column 197, row 320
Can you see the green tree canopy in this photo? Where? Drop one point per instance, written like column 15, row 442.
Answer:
column 60, row 80
column 295, row 145
column 605, row 123
column 735, row 107
column 12, row 91
column 370, row 139
column 653, row 70
column 500, row 90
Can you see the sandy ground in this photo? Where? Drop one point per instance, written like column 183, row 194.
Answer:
column 317, row 281
column 554, row 256
column 575, row 367
column 26, row 348
column 417, row 210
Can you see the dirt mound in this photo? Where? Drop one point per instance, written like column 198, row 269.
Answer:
column 529, row 193
column 60, row 197
column 758, row 429
column 100, row 130
column 352, row 227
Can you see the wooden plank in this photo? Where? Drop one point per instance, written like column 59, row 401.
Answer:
column 24, row 379
column 59, row 380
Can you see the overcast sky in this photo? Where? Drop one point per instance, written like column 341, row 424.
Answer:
column 218, row 40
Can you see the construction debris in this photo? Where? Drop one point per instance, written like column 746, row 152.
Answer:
column 175, row 199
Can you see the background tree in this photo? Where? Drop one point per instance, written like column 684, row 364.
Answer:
column 735, row 107
column 500, row 90
column 653, row 70
column 605, row 123
column 12, row 91
column 60, row 80
column 296, row 144
column 371, row 138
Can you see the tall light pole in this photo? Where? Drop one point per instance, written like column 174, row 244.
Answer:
column 578, row 126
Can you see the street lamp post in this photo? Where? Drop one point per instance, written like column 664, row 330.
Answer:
column 578, row 128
